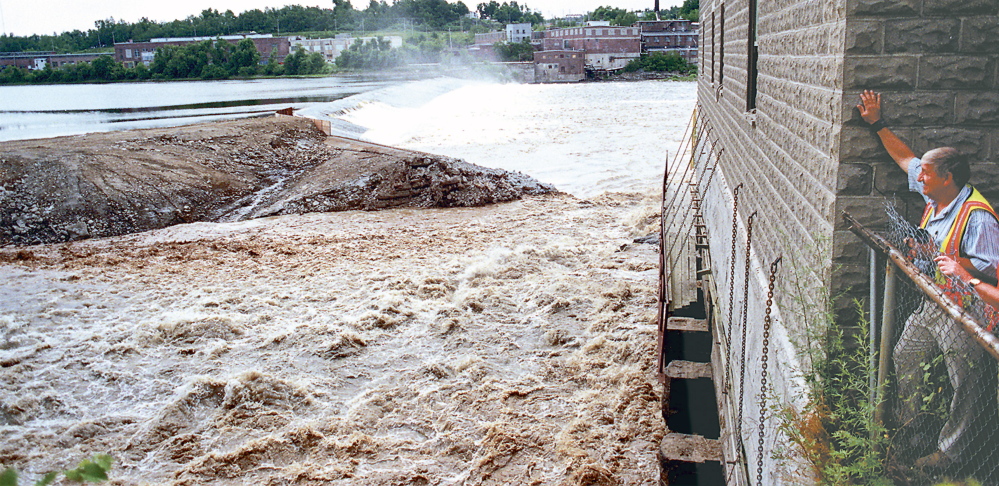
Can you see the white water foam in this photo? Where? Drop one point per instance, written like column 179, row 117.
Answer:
column 584, row 138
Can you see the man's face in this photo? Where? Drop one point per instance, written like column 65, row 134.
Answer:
column 933, row 183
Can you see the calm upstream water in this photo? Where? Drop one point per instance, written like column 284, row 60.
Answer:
column 28, row 112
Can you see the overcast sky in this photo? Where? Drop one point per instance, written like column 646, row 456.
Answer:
column 26, row 17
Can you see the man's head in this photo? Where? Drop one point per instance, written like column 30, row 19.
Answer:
column 948, row 160
column 944, row 172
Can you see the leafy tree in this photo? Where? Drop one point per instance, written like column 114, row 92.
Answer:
column 140, row 71
column 515, row 51
column 433, row 14
column 508, row 12
column 376, row 54
column 343, row 14
column 690, row 10
column 660, row 62
column 315, row 64
column 13, row 75
column 105, row 68
column 488, row 10
column 616, row 16
column 293, row 63
column 214, row 71
column 244, row 56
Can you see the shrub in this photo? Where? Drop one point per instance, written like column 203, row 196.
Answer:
column 660, row 62
column 93, row 470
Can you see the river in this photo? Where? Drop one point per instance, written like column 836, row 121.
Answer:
column 44, row 111
column 507, row 344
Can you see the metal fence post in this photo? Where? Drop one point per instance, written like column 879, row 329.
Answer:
column 887, row 336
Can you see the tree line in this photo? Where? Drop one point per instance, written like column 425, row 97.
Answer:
column 210, row 59
column 342, row 17
column 217, row 59
column 425, row 15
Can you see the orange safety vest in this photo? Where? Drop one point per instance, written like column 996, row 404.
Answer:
column 951, row 245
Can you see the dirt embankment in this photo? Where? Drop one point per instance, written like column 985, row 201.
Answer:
column 109, row 184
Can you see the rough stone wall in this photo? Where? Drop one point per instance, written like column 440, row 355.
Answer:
column 935, row 61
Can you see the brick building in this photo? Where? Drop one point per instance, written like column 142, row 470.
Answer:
column 484, row 46
column 38, row 60
column 565, row 66
column 678, row 36
column 130, row 53
column 606, row 47
column 777, row 87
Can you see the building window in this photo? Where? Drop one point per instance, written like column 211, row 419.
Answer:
column 713, row 47
column 721, row 45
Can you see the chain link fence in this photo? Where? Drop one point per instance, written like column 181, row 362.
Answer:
column 910, row 397
column 936, row 387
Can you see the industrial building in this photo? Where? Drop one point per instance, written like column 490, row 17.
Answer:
column 131, row 53
column 565, row 66
column 606, row 48
column 39, row 60
column 679, row 36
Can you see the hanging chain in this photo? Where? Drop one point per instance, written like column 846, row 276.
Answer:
column 731, row 270
column 729, row 324
column 745, row 318
column 767, row 321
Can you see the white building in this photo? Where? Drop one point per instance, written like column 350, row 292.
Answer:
column 331, row 48
column 518, row 33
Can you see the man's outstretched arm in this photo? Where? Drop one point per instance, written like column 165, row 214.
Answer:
column 870, row 111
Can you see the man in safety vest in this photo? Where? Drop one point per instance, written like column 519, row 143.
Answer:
column 964, row 227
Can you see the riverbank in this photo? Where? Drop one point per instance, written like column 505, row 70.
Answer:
column 108, row 184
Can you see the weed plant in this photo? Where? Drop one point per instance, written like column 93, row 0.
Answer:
column 835, row 432
column 93, row 470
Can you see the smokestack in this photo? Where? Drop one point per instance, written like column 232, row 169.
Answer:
column 657, row 9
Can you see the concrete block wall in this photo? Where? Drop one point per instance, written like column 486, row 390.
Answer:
column 935, row 63
column 786, row 152
column 786, row 155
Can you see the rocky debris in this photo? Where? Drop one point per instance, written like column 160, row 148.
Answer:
column 109, row 184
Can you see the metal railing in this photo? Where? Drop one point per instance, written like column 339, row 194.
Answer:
column 936, row 384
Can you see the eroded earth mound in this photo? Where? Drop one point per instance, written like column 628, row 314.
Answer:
column 108, row 184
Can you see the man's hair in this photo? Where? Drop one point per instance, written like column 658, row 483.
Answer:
column 948, row 160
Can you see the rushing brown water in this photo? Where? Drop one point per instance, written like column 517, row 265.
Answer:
column 508, row 344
